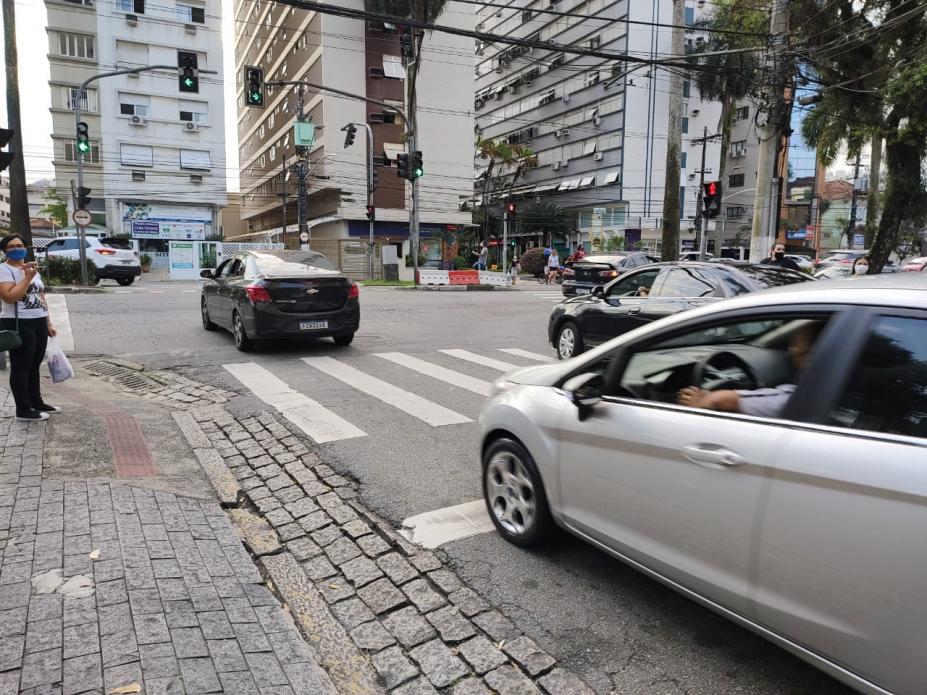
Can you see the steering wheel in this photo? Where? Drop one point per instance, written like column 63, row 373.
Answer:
column 724, row 370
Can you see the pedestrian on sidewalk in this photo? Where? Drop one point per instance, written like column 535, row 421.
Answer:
column 513, row 270
column 25, row 310
column 483, row 257
column 777, row 257
column 553, row 266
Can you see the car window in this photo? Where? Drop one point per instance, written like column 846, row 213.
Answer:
column 636, row 285
column 772, row 276
column 291, row 261
column 237, row 269
column 686, row 282
column 734, row 284
column 887, row 391
column 223, row 269
column 68, row 245
column 56, row 245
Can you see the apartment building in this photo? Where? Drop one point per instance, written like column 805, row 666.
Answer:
column 598, row 126
column 738, row 187
column 5, row 204
column 362, row 58
column 157, row 161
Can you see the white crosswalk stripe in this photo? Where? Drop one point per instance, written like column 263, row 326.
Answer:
column 438, row 372
column 317, row 421
column 479, row 359
column 518, row 352
column 408, row 402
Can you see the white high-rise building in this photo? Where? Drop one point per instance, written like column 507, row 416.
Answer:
column 157, row 163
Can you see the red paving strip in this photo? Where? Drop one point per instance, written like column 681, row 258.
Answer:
column 131, row 456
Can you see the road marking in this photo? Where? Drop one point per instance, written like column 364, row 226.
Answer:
column 433, row 529
column 416, row 406
column 58, row 312
column 518, row 352
column 437, row 372
column 479, row 359
column 313, row 418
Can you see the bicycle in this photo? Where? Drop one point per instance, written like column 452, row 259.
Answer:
column 542, row 277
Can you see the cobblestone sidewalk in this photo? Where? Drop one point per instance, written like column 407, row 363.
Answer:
column 106, row 586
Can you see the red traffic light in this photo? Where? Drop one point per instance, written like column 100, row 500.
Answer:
column 510, row 207
column 711, row 188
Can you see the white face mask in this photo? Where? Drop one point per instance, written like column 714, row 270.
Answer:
column 861, row 269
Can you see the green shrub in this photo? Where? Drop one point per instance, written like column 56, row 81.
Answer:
column 460, row 263
column 144, row 259
column 66, row 271
column 533, row 261
column 421, row 261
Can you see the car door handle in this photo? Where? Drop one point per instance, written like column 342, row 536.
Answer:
column 712, row 456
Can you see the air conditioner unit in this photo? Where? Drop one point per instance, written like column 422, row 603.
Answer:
column 691, row 176
column 565, row 132
column 695, row 112
column 598, row 156
column 191, row 127
column 597, row 121
column 566, row 98
column 189, row 28
column 555, row 166
column 375, row 118
column 138, row 120
column 196, row 178
column 131, row 20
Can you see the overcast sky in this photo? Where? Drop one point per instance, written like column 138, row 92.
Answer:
column 35, row 95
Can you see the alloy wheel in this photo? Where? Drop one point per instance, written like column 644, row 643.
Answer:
column 566, row 343
column 511, row 493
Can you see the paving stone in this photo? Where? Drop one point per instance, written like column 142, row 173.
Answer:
column 315, row 488
column 272, row 619
column 239, row 683
column 267, row 504
column 199, row 676
column 559, row 682
column 327, row 535
column 215, row 625
column 289, row 494
column 81, row 674
column 43, row 634
column 279, row 517
column 508, row 680
column 409, row 627
column 343, row 514
column 342, row 550
column 260, row 595
column 446, row 580
column 205, row 598
column 226, row 655
column 306, row 677
column 288, row 532
column 111, row 592
column 352, row 612
column 329, row 499
column 172, row 589
column 468, row 601
column 423, row 596
column 13, row 621
column 438, row 664
column 119, row 648
column 179, row 614
column 373, row 545
column 11, row 652
column 425, row 562
column 371, row 636
column 334, row 589
column 419, row 686
column 40, row 668
column 158, row 661
column 265, row 467
column 361, row 571
column 319, row 568
column 289, row 648
column 381, row 596
column 266, row 670
column 80, row 640
column 189, row 642
column 151, row 628
column 496, row 625
column 528, row 655
column 451, row 625
column 256, row 532
column 303, row 548
column 239, row 610
column 396, row 568
column 315, row 521
column 394, row 668
column 251, row 637
column 482, row 655
column 301, row 507
column 355, row 528
column 279, row 482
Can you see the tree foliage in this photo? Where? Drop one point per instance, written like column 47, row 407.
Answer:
column 505, row 164
column 546, row 218
column 55, row 207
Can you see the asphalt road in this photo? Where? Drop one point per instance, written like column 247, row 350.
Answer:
column 618, row 629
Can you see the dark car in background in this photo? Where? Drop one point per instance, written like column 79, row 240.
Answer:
column 652, row 292
column 581, row 276
column 261, row 295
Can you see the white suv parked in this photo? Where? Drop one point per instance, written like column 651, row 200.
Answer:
column 111, row 263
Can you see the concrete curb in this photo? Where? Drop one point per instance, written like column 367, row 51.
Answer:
column 69, row 289
column 460, row 288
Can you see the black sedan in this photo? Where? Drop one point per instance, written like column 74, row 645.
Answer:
column 583, row 275
column 280, row 294
column 652, row 292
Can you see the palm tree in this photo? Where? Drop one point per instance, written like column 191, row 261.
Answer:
column 505, row 166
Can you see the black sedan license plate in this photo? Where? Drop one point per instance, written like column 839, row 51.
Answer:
column 312, row 325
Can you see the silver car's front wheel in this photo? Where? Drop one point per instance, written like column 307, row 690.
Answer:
column 514, row 494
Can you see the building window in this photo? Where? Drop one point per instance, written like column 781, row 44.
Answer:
column 686, row 88
column 133, row 6
column 70, row 152
column 685, row 124
column 595, row 42
column 134, row 105
column 591, row 78
column 526, row 16
column 191, row 14
column 736, row 213
column 392, row 67
column 87, row 3
column 738, row 148
column 198, row 160
column 690, row 16
column 683, row 158
column 742, row 114
column 76, row 45
column 194, row 111
column 86, row 98
column 735, row 180
column 682, row 201
column 136, row 155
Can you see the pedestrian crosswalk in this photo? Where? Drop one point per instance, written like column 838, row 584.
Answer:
column 550, row 295
column 328, row 413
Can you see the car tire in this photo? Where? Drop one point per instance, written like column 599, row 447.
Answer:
column 569, row 342
column 204, row 312
column 125, row 282
column 514, row 494
column 343, row 340
column 242, row 341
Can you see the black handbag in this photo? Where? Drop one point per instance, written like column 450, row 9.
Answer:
column 10, row 340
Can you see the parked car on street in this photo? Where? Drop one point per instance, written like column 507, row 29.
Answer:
column 281, row 294
column 112, row 263
column 842, row 256
column 805, row 264
column 652, row 292
column 581, row 276
column 694, row 256
column 915, row 265
column 787, row 491
column 845, row 270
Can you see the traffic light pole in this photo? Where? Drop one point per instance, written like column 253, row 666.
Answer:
column 505, row 239
column 79, row 155
column 302, row 172
column 371, row 210
column 700, row 204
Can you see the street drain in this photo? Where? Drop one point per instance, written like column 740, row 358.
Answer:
column 127, row 377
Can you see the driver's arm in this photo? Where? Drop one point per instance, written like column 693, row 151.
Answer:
column 725, row 400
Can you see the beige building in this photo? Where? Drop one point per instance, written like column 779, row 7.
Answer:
column 231, row 226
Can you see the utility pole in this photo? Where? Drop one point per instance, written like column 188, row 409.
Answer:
column 851, row 223
column 671, row 211
column 765, row 208
column 302, row 172
column 19, row 203
column 700, row 207
column 283, row 196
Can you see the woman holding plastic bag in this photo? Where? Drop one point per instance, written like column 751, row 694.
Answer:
column 25, row 312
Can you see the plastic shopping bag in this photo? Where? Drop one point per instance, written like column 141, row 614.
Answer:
column 58, row 364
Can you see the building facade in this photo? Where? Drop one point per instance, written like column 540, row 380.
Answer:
column 157, row 161
column 598, row 126
column 362, row 58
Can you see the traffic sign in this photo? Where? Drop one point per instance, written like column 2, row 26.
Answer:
column 304, row 237
column 82, row 217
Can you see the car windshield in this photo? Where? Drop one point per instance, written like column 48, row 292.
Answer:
column 282, row 261
column 772, row 276
column 751, row 332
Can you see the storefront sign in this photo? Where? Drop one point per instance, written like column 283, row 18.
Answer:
column 181, row 255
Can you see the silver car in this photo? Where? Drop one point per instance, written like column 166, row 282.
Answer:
column 789, row 494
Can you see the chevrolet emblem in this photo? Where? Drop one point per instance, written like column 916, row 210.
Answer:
column 312, row 290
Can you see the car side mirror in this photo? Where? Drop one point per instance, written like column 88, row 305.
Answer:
column 598, row 291
column 585, row 391
column 206, row 274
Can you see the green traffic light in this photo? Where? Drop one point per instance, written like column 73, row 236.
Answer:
column 83, row 146
column 254, row 96
column 188, row 81
column 419, row 173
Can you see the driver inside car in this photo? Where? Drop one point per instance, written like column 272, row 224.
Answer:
column 765, row 402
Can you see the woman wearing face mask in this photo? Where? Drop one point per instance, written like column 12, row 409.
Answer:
column 861, row 265
column 25, row 310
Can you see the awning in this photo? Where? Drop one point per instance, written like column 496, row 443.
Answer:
column 587, row 181
column 570, row 185
column 589, row 148
column 521, row 190
column 546, row 189
column 610, row 178
column 391, row 150
column 195, row 159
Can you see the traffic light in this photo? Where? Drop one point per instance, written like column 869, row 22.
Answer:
column 6, row 158
column 373, row 180
column 402, row 165
column 371, row 213
column 254, row 87
column 510, row 208
column 350, row 131
column 83, row 197
column 83, row 138
column 187, row 75
column 711, row 199
column 418, row 169
column 406, row 42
